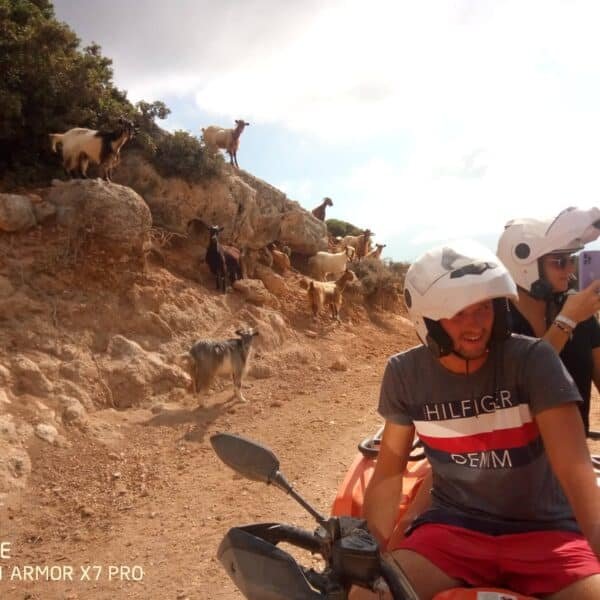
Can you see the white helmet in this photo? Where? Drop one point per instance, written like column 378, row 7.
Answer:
column 447, row 279
column 525, row 241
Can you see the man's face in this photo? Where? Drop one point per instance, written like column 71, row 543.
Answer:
column 470, row 329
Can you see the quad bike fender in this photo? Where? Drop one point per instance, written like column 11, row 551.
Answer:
column 351, row 493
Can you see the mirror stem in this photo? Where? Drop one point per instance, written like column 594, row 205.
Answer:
column 281, row 482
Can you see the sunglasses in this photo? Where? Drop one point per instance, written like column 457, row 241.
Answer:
column 562, row 261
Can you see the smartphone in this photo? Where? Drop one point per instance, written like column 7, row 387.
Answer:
column 588, row 267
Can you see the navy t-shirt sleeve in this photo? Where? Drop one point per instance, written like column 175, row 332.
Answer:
column 393, row 395
column 547, row 382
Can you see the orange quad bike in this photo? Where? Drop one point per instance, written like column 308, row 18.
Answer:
column 350, row 495
column 256, row 556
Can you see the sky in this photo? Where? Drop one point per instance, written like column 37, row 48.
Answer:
column 423, row 121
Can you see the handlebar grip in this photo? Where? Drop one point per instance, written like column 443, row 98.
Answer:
column 278, row 532
column 300, row 537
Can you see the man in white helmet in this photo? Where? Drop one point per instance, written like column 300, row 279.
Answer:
column 540, row 257
column 491, row 410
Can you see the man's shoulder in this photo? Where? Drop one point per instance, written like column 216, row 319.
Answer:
column 410, row 360
column 410, row 354
column 521, row 341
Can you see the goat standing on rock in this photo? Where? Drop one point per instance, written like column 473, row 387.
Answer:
column 319, row 212
column 80, row 146
column 361, row 243
column 228, row 139
column 328, row 263
column 377, row 252
column 329, row 294
column 223, row 261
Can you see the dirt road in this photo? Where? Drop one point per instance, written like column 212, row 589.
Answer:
column 143, row 520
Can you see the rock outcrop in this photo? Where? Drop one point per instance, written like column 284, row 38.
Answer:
column 253, row 212
column 114, row 216
column 19, row 213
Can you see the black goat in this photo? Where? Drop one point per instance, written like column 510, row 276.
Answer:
column 223, row 261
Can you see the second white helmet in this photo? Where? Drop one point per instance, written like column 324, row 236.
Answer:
column 525, row 241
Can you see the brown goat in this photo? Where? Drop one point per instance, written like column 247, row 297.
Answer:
column 227, row 139
column 377, row 252
column 361, row 243
column 319, row 212
column 328, row 293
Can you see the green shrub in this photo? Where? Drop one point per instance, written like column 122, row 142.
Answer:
column 337, row 228
column 382, row 282
column 180, row 154
column 399, row 268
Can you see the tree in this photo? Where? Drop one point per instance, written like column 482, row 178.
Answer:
column 336, row 228
column 48, row 85
column 151, row 111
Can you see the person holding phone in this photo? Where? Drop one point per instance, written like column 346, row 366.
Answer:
column 540, row 257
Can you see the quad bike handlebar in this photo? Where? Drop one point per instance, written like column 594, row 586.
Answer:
column 260, row 569
column 255, row 563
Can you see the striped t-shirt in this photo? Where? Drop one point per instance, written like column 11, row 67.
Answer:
column 490, row 470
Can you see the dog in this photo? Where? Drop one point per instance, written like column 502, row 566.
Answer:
column 208, row 358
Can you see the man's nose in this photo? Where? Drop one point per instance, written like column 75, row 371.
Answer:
column 475, row 319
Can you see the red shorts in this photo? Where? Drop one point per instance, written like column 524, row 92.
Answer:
column 538, row 562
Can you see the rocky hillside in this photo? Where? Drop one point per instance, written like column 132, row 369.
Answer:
column 102, row 288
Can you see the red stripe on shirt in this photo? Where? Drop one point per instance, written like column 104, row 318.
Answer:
column 493, row 440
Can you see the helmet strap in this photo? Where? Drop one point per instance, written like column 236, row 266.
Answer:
column 540, row 288
column 438, row 341
column 502, row 327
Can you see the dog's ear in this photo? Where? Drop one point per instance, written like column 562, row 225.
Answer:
column 239, row 332
column 255, row 332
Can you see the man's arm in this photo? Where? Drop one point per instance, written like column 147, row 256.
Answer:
column 562, row 431
column 384, row 492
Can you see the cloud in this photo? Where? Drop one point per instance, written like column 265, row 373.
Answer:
column 160, row 48
column 300, row 190
column 346, row 70
column 462, row 115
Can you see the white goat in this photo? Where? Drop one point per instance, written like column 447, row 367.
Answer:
column 328, row 293
column 325, row 263
column 228, row 139
column 80, row 146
